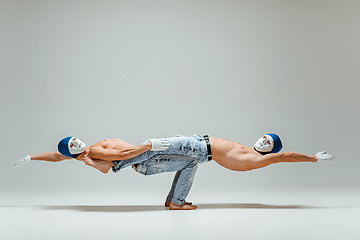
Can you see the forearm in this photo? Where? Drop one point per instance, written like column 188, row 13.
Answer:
column 287, row 157
column 48, row 156
column 300, row 157
column 116, row 154
column 290, row 157
column 135, row 151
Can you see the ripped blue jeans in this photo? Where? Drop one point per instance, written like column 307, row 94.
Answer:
column 182, row 157
column 185, row 168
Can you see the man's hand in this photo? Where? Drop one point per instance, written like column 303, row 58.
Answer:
column 24, row 160
column 159, row 144
column 323, row 156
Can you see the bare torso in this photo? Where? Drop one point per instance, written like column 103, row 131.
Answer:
column 232, row 155
column 113, row 144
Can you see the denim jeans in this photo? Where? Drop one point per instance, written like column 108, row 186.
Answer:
column 185, row 168
column 182, row 156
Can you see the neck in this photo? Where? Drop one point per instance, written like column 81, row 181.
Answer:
column 263, row 153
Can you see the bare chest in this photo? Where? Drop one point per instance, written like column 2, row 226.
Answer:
column 223, row 147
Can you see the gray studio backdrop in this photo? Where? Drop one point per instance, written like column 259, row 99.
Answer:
column 142, row 69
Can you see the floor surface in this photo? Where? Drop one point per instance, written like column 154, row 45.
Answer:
column 249, row 215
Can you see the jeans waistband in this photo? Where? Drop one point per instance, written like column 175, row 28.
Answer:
column 207, row 140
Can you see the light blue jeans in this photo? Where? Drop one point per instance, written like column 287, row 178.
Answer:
column 181, row 157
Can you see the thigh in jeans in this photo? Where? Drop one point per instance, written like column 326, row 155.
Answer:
column 164, row 163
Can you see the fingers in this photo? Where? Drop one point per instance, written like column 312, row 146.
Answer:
column 18, row 163
column 327, row 155
column 322, row 152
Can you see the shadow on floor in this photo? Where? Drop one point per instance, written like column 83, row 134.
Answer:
column 144, row 208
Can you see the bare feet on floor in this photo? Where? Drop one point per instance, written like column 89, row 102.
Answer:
column 186, row 206
column 167, row 203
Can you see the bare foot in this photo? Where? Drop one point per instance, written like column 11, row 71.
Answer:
column 185, row 206
column 88, row 161
column 167, row 203
column 102, row 166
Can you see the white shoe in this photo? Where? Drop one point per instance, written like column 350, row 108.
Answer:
column 24, row 160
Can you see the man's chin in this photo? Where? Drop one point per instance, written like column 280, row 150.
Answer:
column 261, row 150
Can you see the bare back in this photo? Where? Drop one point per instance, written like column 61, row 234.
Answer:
column 114, row 143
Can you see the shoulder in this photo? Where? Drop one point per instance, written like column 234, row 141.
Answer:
column 96, row 148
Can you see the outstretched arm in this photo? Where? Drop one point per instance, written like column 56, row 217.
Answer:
column 46, row 156
column 265, row 160
column 288, row 157
column 49, row 156
column 297, row 157
column 271, row 158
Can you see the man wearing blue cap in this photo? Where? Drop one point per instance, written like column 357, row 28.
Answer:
column 181, row 154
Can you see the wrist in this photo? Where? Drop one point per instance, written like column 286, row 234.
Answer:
column 148, row 145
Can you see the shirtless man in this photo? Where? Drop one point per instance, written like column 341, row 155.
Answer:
column 181, row 154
